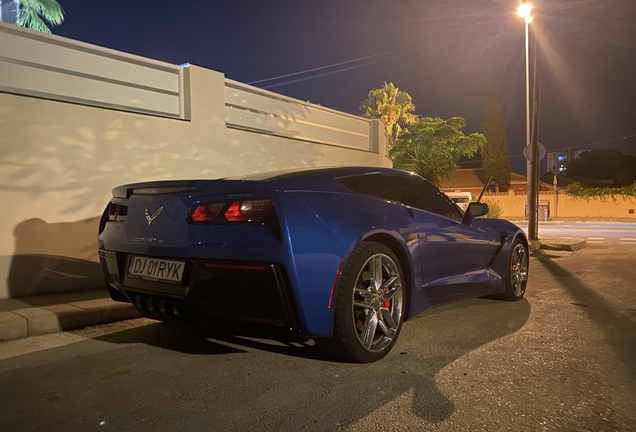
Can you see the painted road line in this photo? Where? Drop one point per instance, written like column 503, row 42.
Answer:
column 596, row 240
column 628, row 240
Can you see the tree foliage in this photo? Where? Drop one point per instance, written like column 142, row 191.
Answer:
column 575, row 190
column 391, row 105
column 495, row 154
column 35, row 14
column 604, row 165
column 432, row 147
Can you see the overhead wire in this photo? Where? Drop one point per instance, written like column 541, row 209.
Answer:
column 340, row 70
column 403, row 52
column 325, row 67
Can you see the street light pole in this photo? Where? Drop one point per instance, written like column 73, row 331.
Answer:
column 533, row 193
column 528, row 168
column 532, row 162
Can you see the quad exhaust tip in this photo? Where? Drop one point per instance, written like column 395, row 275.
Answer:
column 160, row 308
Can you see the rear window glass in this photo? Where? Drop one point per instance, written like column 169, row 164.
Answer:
column 369, row 184
column 415, row 192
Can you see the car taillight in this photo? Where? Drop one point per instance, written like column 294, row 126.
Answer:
column 207, row 212
column 248, row 210
column 261, row 211
column 117, row 212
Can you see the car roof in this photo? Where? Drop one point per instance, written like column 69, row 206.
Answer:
column 314, row 178
column 325, row 172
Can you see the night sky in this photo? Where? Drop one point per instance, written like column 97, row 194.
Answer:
column 446, row 54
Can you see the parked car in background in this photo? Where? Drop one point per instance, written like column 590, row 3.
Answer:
column 462, row 199
column 340, row 255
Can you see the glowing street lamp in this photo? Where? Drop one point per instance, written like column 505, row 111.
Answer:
column 524, row 12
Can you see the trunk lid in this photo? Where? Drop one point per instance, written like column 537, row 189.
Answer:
column 158, row 212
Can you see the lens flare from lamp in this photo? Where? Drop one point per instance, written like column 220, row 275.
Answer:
column 524, row 10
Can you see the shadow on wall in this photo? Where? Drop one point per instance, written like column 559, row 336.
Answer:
column 270, row 142
column 252, row 152
column 54, row 258
column 81, row 153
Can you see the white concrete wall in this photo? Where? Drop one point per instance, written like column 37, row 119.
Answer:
column 268, row 131
column 38, row 64
column 251, row 108
column 59, row 159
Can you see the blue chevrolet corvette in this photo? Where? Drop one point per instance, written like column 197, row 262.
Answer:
column 340, row 255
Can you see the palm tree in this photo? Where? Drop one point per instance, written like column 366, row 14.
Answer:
column 35, row 14
column 391, row 105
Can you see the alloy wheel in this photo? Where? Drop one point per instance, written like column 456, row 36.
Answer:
column 519, row 269
column 378, row 299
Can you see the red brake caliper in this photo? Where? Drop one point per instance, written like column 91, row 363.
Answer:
column 386, row 303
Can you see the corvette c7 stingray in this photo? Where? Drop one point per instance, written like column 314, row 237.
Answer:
column 340, row 255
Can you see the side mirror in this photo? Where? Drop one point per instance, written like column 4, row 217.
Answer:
column 474, row 210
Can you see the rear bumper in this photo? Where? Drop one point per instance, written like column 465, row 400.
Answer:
column 210, row 289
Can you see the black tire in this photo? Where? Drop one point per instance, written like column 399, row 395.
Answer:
column 371, row 310
column 517, row 277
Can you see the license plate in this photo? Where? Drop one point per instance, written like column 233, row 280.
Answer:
column 152, row 268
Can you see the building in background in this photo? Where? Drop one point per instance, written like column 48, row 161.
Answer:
column 467, row 180
column 558, row 161
column 9, row 11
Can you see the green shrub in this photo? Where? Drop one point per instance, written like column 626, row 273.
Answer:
column 575, row 190
column 495, row 208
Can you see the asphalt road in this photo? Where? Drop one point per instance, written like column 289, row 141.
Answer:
column 593, row 232
column 563, row 359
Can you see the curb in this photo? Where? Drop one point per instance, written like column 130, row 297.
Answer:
column 564, row 244
column 63, row 317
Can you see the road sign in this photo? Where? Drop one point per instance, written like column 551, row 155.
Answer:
column 527, row 152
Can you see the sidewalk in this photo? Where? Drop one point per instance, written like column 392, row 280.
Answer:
column 523, row 221
column 52, row 313
column 562, row 243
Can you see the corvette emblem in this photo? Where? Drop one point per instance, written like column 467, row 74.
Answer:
column 154, row 215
